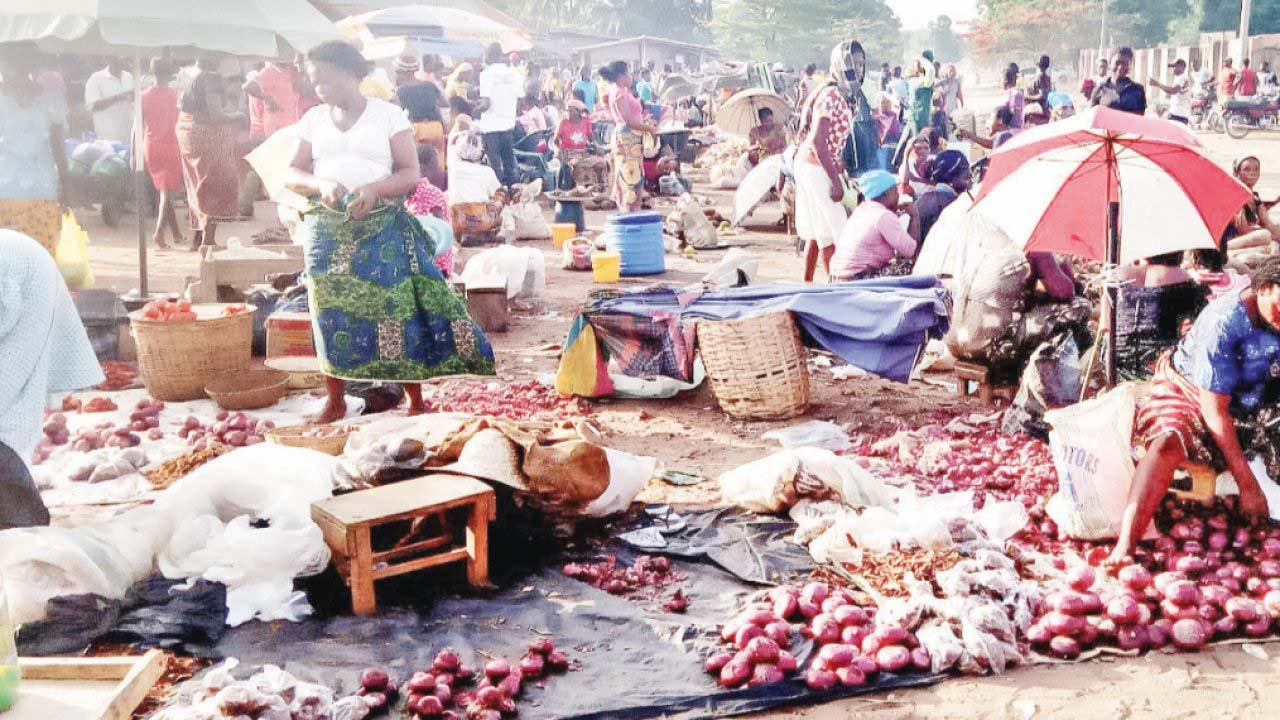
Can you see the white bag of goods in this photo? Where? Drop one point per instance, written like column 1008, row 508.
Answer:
column 525, row 270
column 1091, row 443
column 523, row 220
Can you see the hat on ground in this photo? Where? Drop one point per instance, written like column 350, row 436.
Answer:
column 488, row 455
column 875, row 183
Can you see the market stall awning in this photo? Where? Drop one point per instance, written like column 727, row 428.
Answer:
column 438, row 24
column 241, row 27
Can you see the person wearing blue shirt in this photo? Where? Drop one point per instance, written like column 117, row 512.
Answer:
column 1224, row 370
column 644, row 88
column 587, row 87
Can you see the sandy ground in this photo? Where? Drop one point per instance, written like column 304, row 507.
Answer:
column 691, row 434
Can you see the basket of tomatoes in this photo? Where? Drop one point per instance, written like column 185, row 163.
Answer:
column 181, row 346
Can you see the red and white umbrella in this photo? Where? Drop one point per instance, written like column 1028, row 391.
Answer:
column 1050, row 188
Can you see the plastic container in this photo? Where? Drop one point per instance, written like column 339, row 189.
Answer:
column 637, row 239
column 10, row 672
column 606, row 266
column 562, row 231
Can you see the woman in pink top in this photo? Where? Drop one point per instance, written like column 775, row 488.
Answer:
column 873, row 243
column 628, row 137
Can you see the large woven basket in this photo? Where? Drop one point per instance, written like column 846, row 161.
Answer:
column 177, row 359
column 757, row 365
column 293, row 437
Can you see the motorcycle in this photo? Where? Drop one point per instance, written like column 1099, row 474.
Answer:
column 1244, row 116
column 1204, row 111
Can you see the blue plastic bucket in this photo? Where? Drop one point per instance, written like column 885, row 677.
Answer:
column 637, row 238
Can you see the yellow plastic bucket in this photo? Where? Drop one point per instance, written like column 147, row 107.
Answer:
column 561, row 232
column 606, row 266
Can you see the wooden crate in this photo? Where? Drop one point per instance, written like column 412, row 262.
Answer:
column 346, row 522
column 93, row 688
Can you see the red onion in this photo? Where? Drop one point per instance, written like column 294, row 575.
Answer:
column 836, row 655
column 920, row 659
column 1258, row 628
column 853, row 635
column 1080, row 578
column 1225, row 627
column 1159, row 582
column 851, row 676
column 1242, row 609
column 1173, row 611
column 761, row 617
column 446, row 660
column 422, row 682
column 787, row 662
column 495, row 670
column 1189, row 634
column 765, row 674
column 786, row 606
column 746, row 634
column 557, row 661
column 814, row 593
column 1123, row 611
column 1271, row 603
column 832, row 603
column 809, row 610
column 1158, row 635
column 1038, row 634
column 1182, row 592
column 892, row 658
column 1135, row 577
column 1190, row 564
column 865, row 665
column 762, row 650
column 825, row 629
column 735, row 673
column 1064, row 647
column 1271, row 548
column 1063, row 624
column 1269, row 568
column 850, row 615
column 1218, row 540
column 1131, row 638
column 1068, row 603
column 820, row 679
column 532, row 665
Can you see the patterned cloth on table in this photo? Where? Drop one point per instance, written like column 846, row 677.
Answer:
column 380, row 307
column 209, row 170
column 40, row 220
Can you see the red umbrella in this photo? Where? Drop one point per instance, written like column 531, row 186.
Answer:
column 1051, row 188
column 1109, row 185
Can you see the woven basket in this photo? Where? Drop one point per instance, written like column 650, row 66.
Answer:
column 757, row 365
column 248, row 390
column 292, row 437
column 177, row 359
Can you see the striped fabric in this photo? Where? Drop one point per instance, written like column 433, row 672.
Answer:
column 1174, row 407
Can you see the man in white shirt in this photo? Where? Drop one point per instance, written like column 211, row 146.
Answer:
column 500, row 89
column 1201, row 78
column 109, row 95
column 1179, row 90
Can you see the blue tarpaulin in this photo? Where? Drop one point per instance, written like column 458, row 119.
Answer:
column 879, row 325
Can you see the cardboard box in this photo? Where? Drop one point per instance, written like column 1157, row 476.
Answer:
column 289, row 334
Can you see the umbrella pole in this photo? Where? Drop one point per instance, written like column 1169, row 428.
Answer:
column 1111, row 289
column 138, row 188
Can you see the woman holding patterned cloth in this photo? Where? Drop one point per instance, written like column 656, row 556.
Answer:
column 628, row 137
column 382, row 311
column 32, row 157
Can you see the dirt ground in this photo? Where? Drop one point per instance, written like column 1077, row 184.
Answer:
column 690, row 433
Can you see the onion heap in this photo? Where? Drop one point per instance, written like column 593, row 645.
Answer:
column 234, row 429
column 516, row 401
column 648, row 572
column 437, row 691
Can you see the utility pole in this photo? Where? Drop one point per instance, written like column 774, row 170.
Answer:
column 1102, row 34
column 1246, row 8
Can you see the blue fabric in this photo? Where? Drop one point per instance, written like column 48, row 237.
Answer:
column 588, row 89
column 43, row 345
column 27, row 168
column 879, row 325
column 875, row 183
column 1227, row 353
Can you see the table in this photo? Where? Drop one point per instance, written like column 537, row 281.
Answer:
column 346, row 522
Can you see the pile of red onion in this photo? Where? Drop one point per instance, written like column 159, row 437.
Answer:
column 649, row 573
column 234, row 429
column 851, row 647
column 516, row 401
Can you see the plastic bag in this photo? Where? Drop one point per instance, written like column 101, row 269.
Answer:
column 1051, row 380
column 440, row 230
column 72, row 253
column 523, row 270
column 1002, row 520
column 774, row 483
column 813, row 518
column 944, row 647
column 1090, row 443
column 523, row 219
column 698, row 232
column 735, row 269
column 815, row 433
column 628, row 475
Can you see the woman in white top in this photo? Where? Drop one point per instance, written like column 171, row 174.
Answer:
column 380, row 308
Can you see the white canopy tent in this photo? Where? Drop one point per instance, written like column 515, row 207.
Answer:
column 260, row 28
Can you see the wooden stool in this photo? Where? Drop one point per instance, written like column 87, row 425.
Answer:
column 981, row 374
column 346, row 522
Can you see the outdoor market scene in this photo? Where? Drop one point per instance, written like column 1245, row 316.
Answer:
column 484, row 359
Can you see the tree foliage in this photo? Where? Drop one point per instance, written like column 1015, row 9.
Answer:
column 1062, row 27
column 804, row 31
column 674, row 19
column 1225, row 15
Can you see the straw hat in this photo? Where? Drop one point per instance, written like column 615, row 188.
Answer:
column 489, row 455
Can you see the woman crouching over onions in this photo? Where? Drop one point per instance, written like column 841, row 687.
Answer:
column 1226, row 369
column 381, row 310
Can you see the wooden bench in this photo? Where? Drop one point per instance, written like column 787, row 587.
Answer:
column 347, row 521
column 966, row 372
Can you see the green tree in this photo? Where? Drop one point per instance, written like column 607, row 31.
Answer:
column 1186, row 29
column 1144, row 23
column 947, row 48
column 804, row 31
column 1225, row 15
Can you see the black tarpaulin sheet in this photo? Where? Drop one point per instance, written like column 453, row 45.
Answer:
column 636, row 660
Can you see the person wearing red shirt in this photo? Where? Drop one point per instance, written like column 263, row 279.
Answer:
column 1248, row 84
column 160, row 148
column 1227, row 83
column 573, row 142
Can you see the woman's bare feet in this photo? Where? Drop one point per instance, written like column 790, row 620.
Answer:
column 416, row 404
column 1119, row 557
column 158, row 239
column 334, row 410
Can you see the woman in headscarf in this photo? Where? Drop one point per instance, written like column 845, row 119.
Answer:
column 382, row 311
column 949, row 175
column 160, row 151
column 459, row 82
column 32, row 156
column 1252, row 228
column 913, row 179
column 628, row 137
column 43, row 350
column 873, row 243
column 825, row 123
column 865, row 140
column 207, row 142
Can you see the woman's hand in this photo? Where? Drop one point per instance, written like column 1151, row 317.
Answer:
column 837, row 189
column 331, row 193
column 362, row 204
column 1253, row 504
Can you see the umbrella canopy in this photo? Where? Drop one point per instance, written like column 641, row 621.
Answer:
column 740, row 113
column 1050, row 188
column 675, row 87
column 242, row 27
column 755, row 187
column 428, row 21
